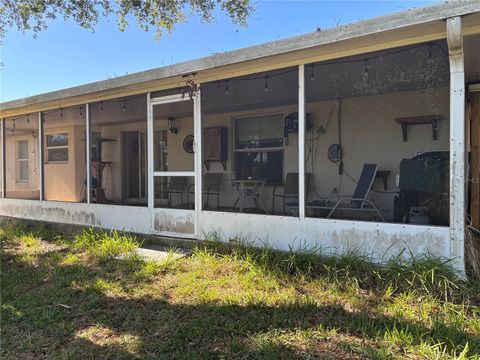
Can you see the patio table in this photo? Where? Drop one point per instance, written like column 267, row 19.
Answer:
column 249, row 189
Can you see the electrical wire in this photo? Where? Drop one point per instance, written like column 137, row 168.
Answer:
column 313, row 146
column 362, row 58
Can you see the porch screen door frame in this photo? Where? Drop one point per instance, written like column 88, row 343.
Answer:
column 197, row 167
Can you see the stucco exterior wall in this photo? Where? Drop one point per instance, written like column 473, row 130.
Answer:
column 64, row 181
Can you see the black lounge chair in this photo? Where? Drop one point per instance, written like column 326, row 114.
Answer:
column 357, row 202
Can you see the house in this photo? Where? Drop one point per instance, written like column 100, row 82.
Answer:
column 266, row 143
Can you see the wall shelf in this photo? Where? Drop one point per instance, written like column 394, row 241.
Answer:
column 405, row 122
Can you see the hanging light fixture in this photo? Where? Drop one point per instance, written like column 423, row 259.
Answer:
column 171, row 125
column 312, row 73
column 227, row 91
column 124, row 108
column 266, row 85
column 101, row 106
column 81, row 111
column 430, row 60
column 61, row 112
column 28, row 119
column 366, row 66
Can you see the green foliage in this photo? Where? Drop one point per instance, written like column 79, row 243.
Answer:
column 105, row 245
column 26, row 15
column 422, row 274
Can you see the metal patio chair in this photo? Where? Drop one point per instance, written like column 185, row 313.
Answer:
column 176, row 186
column 290, row 189
column 212, row 183
column 357, row 202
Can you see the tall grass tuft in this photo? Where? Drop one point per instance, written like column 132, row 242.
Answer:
column 472, row 252
column 422, row 275
column 104, row 245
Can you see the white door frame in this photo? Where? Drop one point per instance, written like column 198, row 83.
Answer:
column 195, row 173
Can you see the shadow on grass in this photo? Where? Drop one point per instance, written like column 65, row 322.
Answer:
column 45, row 313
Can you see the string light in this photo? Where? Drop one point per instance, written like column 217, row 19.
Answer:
column 429, row 60
column 365, row 60
column 266, row 84
column 124, row 108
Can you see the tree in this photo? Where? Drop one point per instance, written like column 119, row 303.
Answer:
column 160, row 15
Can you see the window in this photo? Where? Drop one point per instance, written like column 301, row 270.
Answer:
column 22, row 157
column 259, row 132
column 57, row 147
column 259, row 148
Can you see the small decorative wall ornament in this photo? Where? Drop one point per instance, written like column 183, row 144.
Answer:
column 188, row 144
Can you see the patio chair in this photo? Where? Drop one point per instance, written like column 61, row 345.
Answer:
column 357, row 202
column 212, row 183
column 176, row 185
column 290, row 189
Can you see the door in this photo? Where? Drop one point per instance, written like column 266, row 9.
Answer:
column 171, row 122
column 134, row 168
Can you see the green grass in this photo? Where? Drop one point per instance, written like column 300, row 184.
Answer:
column 89, row 296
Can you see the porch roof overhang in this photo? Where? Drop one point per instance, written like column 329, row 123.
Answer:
column 398, row 29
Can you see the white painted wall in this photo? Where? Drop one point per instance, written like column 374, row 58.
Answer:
column 377, row 241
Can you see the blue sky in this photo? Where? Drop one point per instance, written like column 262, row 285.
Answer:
column 66, row 55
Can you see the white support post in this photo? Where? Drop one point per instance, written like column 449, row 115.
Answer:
column 88, row 187
column 2, row 157
column 457, row 142
column 198, row 148
column 40, row 155
column 150, row 160
column 301, row 142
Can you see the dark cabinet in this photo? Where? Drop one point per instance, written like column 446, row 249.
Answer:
column 215, row 145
